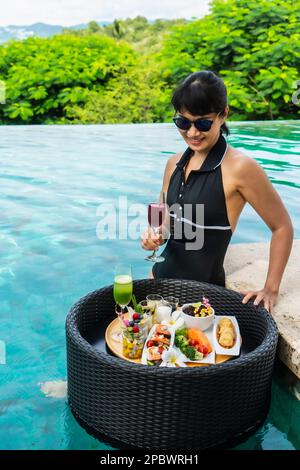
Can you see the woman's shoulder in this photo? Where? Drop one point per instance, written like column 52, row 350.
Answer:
column 170, row 168
column 171, row 162
column 237, row 160
column 174, row 158
column 241, row 166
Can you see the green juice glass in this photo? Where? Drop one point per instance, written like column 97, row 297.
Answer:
column 123, row 285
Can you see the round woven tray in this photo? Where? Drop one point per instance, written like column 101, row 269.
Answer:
column 138, row 406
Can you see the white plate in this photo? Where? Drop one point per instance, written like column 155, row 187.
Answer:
column 235, row 350
column 151, row 333
column 210, row 358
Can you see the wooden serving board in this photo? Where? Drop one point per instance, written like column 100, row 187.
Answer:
column 113, row 330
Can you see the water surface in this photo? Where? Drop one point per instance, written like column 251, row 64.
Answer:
column 52, row 180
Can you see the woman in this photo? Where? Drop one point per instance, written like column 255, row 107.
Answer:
column 221, row 178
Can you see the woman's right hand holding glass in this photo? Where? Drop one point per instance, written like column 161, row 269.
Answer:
column 151, row 240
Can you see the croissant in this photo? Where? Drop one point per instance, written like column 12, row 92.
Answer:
column 226, row 334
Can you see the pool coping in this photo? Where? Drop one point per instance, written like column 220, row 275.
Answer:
column 246, row 266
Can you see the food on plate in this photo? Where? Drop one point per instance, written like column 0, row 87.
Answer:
column 159, row 341
column 192, row 343
column 154, row 354
column 226, row 333
column 199, row 309
column 163, row 330
column 200, row 338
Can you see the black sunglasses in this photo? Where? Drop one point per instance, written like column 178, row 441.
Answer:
column 185, row 124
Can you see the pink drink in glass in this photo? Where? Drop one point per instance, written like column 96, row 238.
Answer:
column 156, row 217
column 156, row 214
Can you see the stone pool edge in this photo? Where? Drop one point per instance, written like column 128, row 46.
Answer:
column 246, row 266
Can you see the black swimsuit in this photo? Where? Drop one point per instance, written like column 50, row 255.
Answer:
column 203, row 186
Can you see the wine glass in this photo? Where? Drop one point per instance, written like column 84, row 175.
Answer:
column 156, row 216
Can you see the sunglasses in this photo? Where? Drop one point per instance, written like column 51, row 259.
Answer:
column 185, row 124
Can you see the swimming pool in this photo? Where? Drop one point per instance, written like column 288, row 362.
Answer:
column 53, row 179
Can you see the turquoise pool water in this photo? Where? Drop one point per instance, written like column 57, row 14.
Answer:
column 53, row 178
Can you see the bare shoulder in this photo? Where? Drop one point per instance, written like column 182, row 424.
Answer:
column 241, row 164
column 171, row 163
column 242, row 171
column 174, row 159
column 169, row 169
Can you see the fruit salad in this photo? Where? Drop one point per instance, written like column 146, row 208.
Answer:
column 134, row 334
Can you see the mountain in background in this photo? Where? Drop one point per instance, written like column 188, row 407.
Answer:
column 42, row 30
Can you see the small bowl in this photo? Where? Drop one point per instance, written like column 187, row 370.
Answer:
column 202, row 323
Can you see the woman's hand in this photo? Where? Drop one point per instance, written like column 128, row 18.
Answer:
column 151, row 240
column 265, row 295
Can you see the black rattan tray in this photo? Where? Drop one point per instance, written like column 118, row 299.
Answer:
column 144, row 407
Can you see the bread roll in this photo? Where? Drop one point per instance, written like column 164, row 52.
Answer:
column 226, row 333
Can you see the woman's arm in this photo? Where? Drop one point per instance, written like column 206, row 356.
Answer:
column 255, row 187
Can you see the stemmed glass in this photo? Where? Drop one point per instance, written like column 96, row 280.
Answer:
column 156, row 216
column 123, row 286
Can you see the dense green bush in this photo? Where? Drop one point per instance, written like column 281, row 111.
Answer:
column 44, row 77
column 135, row 96
column 126, row 71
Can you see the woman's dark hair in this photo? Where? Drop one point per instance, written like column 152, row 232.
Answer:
column 201, row 93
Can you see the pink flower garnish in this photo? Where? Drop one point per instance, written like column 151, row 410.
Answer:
column 206, row 301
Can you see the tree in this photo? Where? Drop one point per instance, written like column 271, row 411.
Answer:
column 117, row 29
column 254, row 46
column 94, row 27
column 135, row 96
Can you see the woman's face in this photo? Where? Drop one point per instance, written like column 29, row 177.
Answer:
column 201, row 141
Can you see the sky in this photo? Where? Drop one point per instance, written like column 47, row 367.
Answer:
column 70, row 12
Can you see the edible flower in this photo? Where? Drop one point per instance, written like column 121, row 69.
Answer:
column 174, row 321
column 173, row 358
column 206, row 302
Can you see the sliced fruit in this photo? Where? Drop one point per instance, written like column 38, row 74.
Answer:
column 200, row 337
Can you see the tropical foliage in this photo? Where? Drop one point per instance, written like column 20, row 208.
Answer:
column 126, row 71
column 254, row 46
column 46, row 77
